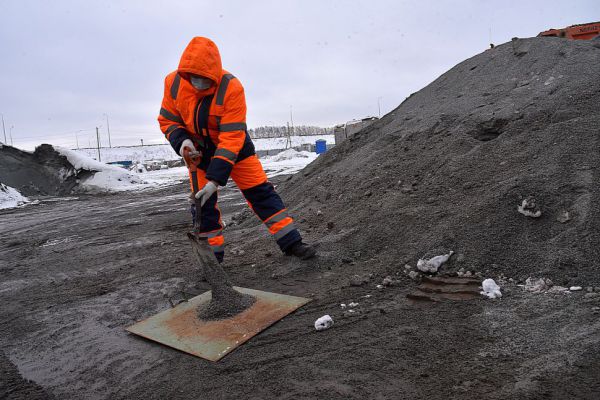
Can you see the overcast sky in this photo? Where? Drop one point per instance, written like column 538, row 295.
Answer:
column 65, row 65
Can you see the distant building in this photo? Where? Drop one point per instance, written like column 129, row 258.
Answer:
column 344, row 131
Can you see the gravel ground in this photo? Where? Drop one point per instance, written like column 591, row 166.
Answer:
column 75, row 274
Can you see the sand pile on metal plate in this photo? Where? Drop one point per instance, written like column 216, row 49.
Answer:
column 450, row 166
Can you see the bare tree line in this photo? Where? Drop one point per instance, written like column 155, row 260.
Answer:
column 281, row 131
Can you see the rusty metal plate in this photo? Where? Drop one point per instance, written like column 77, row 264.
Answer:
column 446, row 288
column 180, row 328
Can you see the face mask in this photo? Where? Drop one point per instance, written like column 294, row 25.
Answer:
column 200, row 82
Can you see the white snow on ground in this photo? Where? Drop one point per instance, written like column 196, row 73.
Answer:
column 10, row 197
column 113, row 178
column 132, row 153
column 168, row 176
column 106, row 177
column 165, row 152
column 287, row 162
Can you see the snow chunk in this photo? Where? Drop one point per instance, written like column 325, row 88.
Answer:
column 433, row 264
column 325, row 322
column 575, row 288
column 490, row 289
column 10, row 197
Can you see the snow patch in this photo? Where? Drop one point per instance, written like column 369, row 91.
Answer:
column 290, row 154
column 10, row 197
column 287, row 162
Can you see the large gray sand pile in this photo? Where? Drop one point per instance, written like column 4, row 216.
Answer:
column 447, row 169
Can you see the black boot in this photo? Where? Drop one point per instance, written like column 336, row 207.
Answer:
column 301, row 250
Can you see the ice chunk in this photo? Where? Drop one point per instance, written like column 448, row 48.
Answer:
column 538, row 285
column 433, row 264
column 529, row 208
column 490, row 289
column 414, row 275
column 575, row 288
column 325, row 322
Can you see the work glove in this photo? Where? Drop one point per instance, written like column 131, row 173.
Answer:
column 186, row 143
column 208, row 190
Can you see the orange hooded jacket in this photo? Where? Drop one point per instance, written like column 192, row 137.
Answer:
column 179, row 113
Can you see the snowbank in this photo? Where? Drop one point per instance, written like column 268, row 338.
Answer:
column 10, row 197
column 102, row 177
column 287, row 162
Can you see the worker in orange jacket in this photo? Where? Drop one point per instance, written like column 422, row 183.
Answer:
column 204, row 109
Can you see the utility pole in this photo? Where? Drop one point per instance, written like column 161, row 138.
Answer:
column 98, row 140
column 10, row 133
column 3, row 128
column 108, row 130
column 292, row 120
column 76, row 140
column 288, row 137
column 379, row 105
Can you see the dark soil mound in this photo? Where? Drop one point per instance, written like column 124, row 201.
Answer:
column 14, row 387
column 43, row 172
column 447, row 169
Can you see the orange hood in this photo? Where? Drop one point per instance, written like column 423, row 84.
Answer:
column 201, row 57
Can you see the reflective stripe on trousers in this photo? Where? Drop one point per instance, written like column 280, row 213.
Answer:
column 280, row 224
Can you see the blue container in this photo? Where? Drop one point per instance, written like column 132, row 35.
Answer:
column 124, row 164
column 320, row 146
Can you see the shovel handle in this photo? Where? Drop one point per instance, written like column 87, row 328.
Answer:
column 192, row 158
